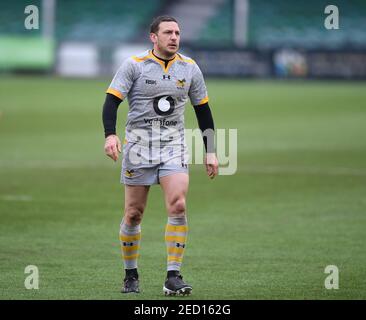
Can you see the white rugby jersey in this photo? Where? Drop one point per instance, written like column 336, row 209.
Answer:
column 157, row 96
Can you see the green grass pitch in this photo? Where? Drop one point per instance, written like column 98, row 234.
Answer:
column 296, row 204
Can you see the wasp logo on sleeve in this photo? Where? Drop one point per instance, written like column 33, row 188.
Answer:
column 181, row 83
column 164, row 105
column 129, row 173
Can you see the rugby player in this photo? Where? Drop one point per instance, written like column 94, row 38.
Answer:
column 157, row 84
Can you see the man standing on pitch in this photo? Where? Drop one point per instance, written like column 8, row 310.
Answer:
column 157, row 83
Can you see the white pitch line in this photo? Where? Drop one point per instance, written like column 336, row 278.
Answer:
column 328, row 171
column 16, row 197
column 48, row 164
column 247, row 169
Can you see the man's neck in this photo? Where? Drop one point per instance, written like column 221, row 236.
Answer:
column 161, row 56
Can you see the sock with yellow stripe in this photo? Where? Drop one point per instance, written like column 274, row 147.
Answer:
column 130, row 237
column 175, row 238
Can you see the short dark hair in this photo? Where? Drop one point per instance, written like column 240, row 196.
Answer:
column 154, row 27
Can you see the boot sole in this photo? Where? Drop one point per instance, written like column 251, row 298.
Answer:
column 185, row 291
column 135, row 291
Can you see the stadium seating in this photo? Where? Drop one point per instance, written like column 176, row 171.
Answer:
column 96, row 21
column 271, row 24
column 103, row 20
column 219, row 28
column 12, row 18
column 291, row 23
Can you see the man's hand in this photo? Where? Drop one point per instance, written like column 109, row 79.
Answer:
column 212, row 165
column 112, row 146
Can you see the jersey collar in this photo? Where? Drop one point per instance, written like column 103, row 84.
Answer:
column 162, row 63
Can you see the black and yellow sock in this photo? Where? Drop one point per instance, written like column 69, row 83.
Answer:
column 175, row 238
column 130, row 237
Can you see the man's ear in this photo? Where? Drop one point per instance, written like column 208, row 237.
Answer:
column 153, row 37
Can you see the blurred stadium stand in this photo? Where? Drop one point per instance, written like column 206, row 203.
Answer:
column 194, row 16
column 102, row 21
column 282, row 38
column 301, row 24
column 218, row 30
column 12, row 18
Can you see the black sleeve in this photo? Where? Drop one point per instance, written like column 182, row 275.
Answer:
column 206, row 124
column 110, row 108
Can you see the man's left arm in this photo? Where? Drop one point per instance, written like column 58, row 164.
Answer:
column 206, row 125
column 199, row 99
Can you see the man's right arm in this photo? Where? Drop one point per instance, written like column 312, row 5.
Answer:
column 116, row 92
column 112, row 144
column 110, row 108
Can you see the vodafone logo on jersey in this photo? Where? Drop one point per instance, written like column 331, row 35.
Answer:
column 164, row 105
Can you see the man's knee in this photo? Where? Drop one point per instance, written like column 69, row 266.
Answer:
column 133, row 215
column 178, row 207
